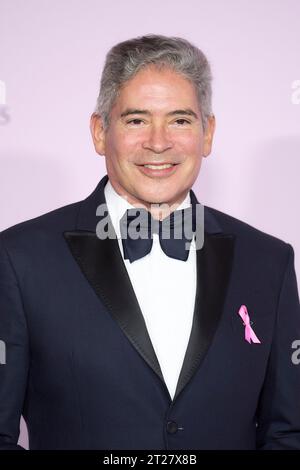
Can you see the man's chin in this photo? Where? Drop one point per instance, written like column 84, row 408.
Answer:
column 148, row 199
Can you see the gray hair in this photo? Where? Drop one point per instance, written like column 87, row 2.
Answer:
column 125, row 59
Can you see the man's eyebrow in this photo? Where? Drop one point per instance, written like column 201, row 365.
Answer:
column 129, row 111
column 182, row 112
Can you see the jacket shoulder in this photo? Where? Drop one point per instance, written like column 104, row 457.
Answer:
column 248, row 234
column 55, row 221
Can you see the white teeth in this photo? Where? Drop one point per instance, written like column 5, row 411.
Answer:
column 159, row 167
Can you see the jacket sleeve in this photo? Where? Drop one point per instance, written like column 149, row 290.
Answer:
column 278, row 420
column 14, row 354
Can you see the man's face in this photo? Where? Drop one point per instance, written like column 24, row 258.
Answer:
column 155, row 121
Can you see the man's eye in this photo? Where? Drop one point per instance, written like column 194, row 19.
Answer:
column 135, row 121
column 182, row 121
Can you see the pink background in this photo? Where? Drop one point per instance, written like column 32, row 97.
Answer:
column 51, row 55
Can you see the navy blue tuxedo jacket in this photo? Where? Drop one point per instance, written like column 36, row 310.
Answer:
column 80, row 366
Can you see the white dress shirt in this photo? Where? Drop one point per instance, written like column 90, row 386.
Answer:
column 165, row 289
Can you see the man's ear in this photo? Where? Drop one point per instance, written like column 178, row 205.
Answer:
column 208, row 135
column 98, row 133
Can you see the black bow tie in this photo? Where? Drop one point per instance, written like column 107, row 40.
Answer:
column 175, row 233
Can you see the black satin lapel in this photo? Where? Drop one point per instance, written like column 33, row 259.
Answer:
column 214, row 264
column 101, row 263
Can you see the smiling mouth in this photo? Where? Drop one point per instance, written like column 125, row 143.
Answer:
column 158, row 170
column 158, row 166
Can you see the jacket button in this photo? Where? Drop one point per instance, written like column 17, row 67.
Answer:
column 172, row 427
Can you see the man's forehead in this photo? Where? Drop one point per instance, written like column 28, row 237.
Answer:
column 139, row 101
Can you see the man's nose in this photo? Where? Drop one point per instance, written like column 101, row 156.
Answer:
column 157, row 139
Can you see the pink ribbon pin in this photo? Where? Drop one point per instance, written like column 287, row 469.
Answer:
column 249, row 333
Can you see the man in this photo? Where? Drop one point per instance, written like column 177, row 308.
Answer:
column 116, row 342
